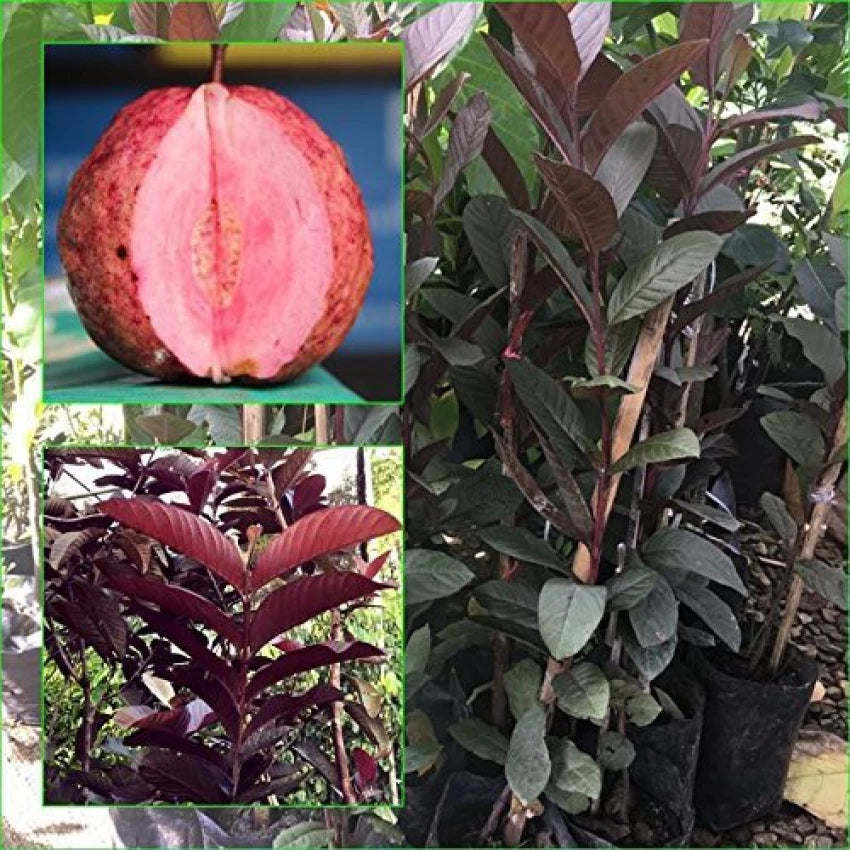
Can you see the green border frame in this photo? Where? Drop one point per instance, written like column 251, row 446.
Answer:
column 245, row 394
column 401, row 736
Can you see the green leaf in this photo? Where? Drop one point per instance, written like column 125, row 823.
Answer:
column 528, row 766
column 619, row 344
column 432, row 575
column 552, row 408
column 21, row 85
column 418, row 272
column 481, row 739
column 841, row 309
column 568, row 614
column 672, row 265
column 224, row 422
column 593, row 387
column 677, row 549
column 573, row 804
column 797, row 435
column 642, row 709
column 650, row 661
column 582, row 691
column 655, row 617
column 574, row 771
column 616, row 751
column 304, row 834
column 509, row 600
column 779, row 517
column 623, row 168
column 489, row 225
column 828, row 582
column 714, row 612
column 718, row 516
column 258, row 22
column 412, row 362
column 522, row 685
column 817, row 282
column 630, row 586
column 775, row 11
column 521, row 544
column 560, row 261
column 166, row 428
column 821, row 346
column 418, row 650
column 669, row 445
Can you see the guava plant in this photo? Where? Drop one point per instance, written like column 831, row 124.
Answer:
column 164, row 590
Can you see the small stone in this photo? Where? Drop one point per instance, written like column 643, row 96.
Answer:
column 835, row 694
column 803, row 825
column 642, row 835
column 741, row 835
column 830, row 615
column 818, row 841
column 760, row 548
column 765, row 839
column 804, row 618
column 703, row 837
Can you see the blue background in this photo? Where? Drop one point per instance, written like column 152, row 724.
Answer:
column 360, row 111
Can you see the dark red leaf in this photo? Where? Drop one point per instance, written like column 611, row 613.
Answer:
column 192, row 22
column 104, row 610
column 265, row 739
column 198, row 489
column 309, row 658
column 584, row 200
column 300, row 600
column 365, row 767
column 731, row 286
column 809, row 110
column 373, row 567
column 192, row 643
column 506, row 171
column 705, row 21
column 211, row 692
column 73, row 617
column 466, row 141
column 544, row 31
column 719, row 418
column 177, row 600
column 288, row 471
column 170, row 741
column 179, row 529
column 717, row 221
column 280, row 787
column 174, row 720
column 287, row 706
column 288, row 645
column 182, row 778
column 601, row 75
column 631, row 94
column 307, row 492
column 541, row 106
column 320, row 534
column 80, row 522
column 744, row 160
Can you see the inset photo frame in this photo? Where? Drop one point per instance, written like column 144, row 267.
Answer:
column 223, row 223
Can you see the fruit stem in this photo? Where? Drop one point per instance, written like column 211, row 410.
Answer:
column 217, row 62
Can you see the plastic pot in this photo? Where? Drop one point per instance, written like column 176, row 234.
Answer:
column 748, row 735
column 666, row 753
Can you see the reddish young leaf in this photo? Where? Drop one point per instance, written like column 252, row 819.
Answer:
column 174, row 720
column 192, row 22
column 177, row 600
column 298, row 601
column 544, row 31
column 287, row 706
column 365, row 767
column 309, row 658
column 179, row 529
column 373, row 567
column 584, row 200
column 601, row 75
column 198, row 489
column 167, row 740
column 631, row 94
column 709, row 21
column 743, row 160
column 466, row 140
column 319, row 534
column 73, row 617
column 105, row 612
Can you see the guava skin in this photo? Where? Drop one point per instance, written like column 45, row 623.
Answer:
column 95, row 235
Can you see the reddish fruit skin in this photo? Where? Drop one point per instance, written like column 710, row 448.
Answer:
column 95, row 228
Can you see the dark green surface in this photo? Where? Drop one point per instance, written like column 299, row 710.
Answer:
column 91, row 377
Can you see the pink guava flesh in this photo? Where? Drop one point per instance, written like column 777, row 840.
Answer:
column 216, row 233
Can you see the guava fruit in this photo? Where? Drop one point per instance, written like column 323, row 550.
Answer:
column 216, row 233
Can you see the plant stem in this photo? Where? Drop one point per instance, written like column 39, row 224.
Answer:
column 253, row 423
column 493, row 819
column 322, row 425
column 217, row 68
column 823, row 488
